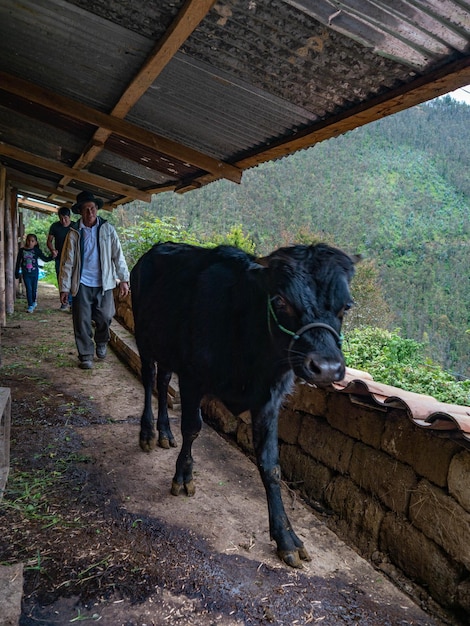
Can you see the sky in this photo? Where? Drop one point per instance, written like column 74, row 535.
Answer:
column 462, row 95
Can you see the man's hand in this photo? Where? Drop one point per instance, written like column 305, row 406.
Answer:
column 123, row 289
column 64, row 297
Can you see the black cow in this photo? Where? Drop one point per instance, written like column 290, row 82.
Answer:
column 241, row 329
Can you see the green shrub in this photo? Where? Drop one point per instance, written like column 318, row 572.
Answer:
column 235, row 237
column 393, row 360
column 136, row 240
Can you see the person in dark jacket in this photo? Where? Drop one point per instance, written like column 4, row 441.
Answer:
column 27, row 268
column 58, row 231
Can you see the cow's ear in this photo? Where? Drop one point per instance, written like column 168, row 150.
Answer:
column 257, row 268
column 356, row 258
column 264, row 261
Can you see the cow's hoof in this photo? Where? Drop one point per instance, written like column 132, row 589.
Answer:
column 190, row 488
column 176, row 488
column 149, row 443
column 294, row 558
column 166, row 442
column 304, row 555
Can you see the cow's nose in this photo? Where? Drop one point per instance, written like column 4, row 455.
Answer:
column 323, row 370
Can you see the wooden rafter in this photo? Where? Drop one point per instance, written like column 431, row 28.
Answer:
column 34, row 205
column 71, row 173
column 110, row 124
column 26, row 183
column 188, row 18
column 418, row 91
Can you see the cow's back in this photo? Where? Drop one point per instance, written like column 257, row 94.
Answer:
column 179, row 293
column 164, row 270
column 161, row 291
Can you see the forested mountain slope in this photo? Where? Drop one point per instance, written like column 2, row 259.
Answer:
column 397, row 190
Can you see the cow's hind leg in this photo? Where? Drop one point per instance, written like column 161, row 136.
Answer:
column 165, row 436
column 148, row 435
column 191, row 423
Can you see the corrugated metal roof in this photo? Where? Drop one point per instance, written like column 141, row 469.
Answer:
column 129, row 99
column 219, row 115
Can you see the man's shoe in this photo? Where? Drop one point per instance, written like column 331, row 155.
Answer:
column 31, row 309
column 101, row 350
column 86, row 362
column 64, row 307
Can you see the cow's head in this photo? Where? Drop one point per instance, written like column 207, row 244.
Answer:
column 308, row 295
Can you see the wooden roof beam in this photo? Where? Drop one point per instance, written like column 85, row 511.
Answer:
column 30, row 185
column 188, row 18
column 32, row 205
column 420, row 90
column 152, row 190
column 424, row 88
column 71, row 108
column 72, row 174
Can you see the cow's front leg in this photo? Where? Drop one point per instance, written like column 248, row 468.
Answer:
column 165, row 436
column 290, row 548
column 191, row 423
column 148, row 435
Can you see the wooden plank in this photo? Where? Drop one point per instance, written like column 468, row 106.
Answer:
column 34, row 205
column 5, row 421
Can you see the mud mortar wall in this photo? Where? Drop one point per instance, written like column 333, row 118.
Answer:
column 399, row 494
column 124, row 310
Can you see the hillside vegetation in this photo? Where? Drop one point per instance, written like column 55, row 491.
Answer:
column 397, row 191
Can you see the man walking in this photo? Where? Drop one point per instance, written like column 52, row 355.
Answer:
column 91, row 259
column 58, row 231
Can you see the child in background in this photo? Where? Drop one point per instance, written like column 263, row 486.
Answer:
column 27, row 268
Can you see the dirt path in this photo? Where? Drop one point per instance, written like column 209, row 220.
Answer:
column 92, row 519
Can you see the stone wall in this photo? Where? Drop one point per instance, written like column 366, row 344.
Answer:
column 399, row 494
column 124, row 310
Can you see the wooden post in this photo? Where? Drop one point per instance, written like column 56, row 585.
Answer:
column 3, row 179
column 19, row 242
column 14, row 239
column 11, row 248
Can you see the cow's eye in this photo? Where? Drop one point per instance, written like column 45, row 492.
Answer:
column 345, row 309
column 279, row 302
